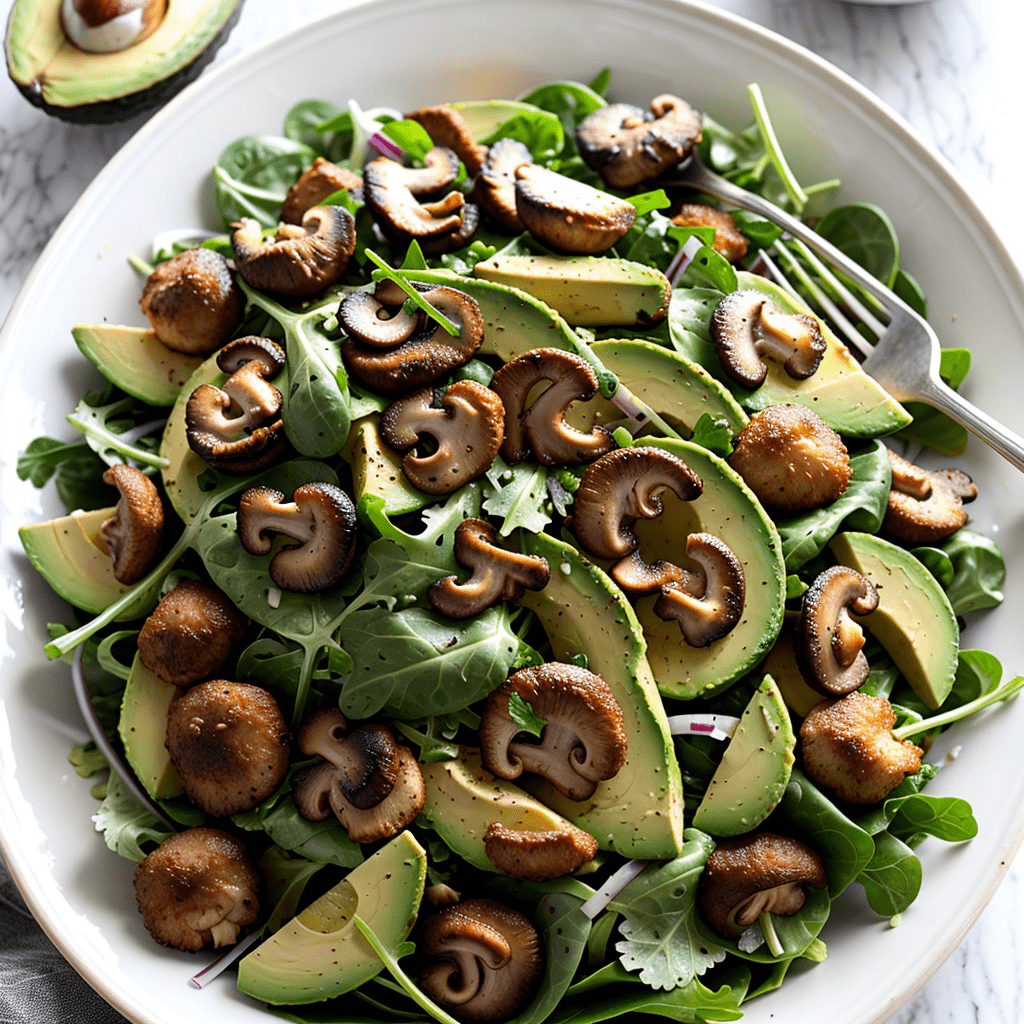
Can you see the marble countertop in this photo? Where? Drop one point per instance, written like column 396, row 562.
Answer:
column 943, row 65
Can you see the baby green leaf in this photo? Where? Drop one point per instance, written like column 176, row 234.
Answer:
column 523, row 716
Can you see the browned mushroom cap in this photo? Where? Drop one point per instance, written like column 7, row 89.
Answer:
column 314, row 186
column 229, row 743
column 729, row 240
column 300, row 261
column 486, row 960
column 538, row 856
column 709, row 603
column 134, row 532
column 624, row 486
column 541, row 429
column 923, row 506
column 238, row 428
column 428, row 354
column 447, row 127
column 441, row 895
column 320, row 516
column 638, row 579
column 567, row 214
column 583, row 740
column 193, row 302
column 467, row 428
column 625, row 146
column 495, row 185
column 753, row 874
column 391, row 188
column 438, row 245
column 498, row 574
column 747, row 325
column 368, row 320
column 197, row 889
column 791, row 459
column 190, row 634
column 847, row 746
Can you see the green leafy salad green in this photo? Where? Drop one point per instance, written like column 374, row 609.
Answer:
column 620, row 879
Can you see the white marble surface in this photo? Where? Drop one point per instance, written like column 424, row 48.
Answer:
column 949, row 67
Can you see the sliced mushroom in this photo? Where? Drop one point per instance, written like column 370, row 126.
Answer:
column 747, row 325
column 754, row 874
column 197, row 889
column 391, row 188
column 486, row 960
column 495, row 186
column 238, row 427
column 134, row 533
column 638, row 579
column 829, row 642
column 370, row 321
column 626, row 146
column 729, row 240
column 193, row 302
column 538, row 856
column 228, row 742
column 109, row 26
column 438, row 245
column 925, row 507
column 323, row 179
column 541, row 429
column 624, row 486
column 191, row 633
column 582, row 743
column 707, row 604
column 848, row 747
column 447, row 127
column 791, row 459
column 567, row 214
column 299, row 261
column 320, row 516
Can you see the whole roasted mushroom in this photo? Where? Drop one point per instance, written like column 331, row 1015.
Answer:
column 371, row 321
column 538, row 856
column 448, row 128
column 323, row 179
column 495, row 187
column 391, row 191
column 134, row 533
column 926, row 506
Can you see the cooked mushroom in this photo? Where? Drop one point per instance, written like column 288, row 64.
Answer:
column 371, row 321
column 229, row 744
column 486, row 960
column 729, row 240
column 299, row 261
column 373, row 785
column 238, row 427
column 197, row 889
column 583, row 741
column 498, row 574
column 438, row 245
column 193, row 302
column 320, row 516
column 541, row 429
column 567, row 214
column 747, row 325
column 624, row 486
column 709, row 603
column 791, row 459
column 109, row 26
column 847, row 746
column 538, row 856
column 190, row 634
column 495, row 185
column 323, row 179
column 639, row 579
column 625, row 146
column 829, row 642
column 447, row 127
column 133, row 534
column 467, row 428
column 923, row 506
column 441, row 895
column 754, row 874
column 391, row 188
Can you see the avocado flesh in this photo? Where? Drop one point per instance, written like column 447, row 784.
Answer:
column 914, row 620
column 320, row 953
column 587, row 291
column 485, row 116
column 782, row 666
column 143, row 728
column 377, row 470
column 638, row 812
column 754, row 771
column 136, row 361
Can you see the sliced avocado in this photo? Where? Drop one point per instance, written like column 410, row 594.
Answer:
column 320, row 953
column 588, row 291
column 754, row 771
column 76, row 85
column 914, row 620
column 639, row 812
column 377, row 470
column 484, row 116
column 136, row 361
column 143, row 728
column 782, row 666
column 463, row 799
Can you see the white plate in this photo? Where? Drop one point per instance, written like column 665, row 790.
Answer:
column 378, row 54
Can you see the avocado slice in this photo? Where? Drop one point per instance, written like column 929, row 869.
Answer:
column 914, row 620
column 320, row 953
column 587, row 291
column 754, row 771
column 136, row 361
column 74, row 85
column 639, row 812
column 143, row 728
column 782, row 666
column 377, row 470
column 485, row 116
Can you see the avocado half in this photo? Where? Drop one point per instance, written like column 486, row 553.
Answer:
column 100, row 88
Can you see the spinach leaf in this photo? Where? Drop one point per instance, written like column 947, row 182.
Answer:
column 892, row 879
column 411, row 136
column 540, row 131
column 560, row 97
column 710, row 269
column 937, row 562
column 762, row 233
column 917, row 815
column 979, row 572
column 931, row 427
column 865, row 233
column 285, row 878
column 303, row 124
column 689, row 316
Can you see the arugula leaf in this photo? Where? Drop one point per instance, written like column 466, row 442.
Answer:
column 522, row 714
column 713, row 434
column 101, row 423
column 518, row 495
column 127, row 825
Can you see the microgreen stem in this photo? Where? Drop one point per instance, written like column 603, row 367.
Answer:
column 771, row 937
column 773, row 149
column 1004, row 691
column 139, row 264
column 392, row 275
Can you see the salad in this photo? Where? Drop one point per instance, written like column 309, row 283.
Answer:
column 473, row 647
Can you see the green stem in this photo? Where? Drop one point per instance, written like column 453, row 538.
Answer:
column 392, row 275
column 774, row 150
column 140, row 265
column 1002, row 692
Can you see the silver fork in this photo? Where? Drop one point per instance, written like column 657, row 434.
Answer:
column 905, row 358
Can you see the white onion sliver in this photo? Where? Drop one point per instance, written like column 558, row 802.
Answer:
column 718, row 727
column 225, row 960
column 615, row 884
column 683, row 259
